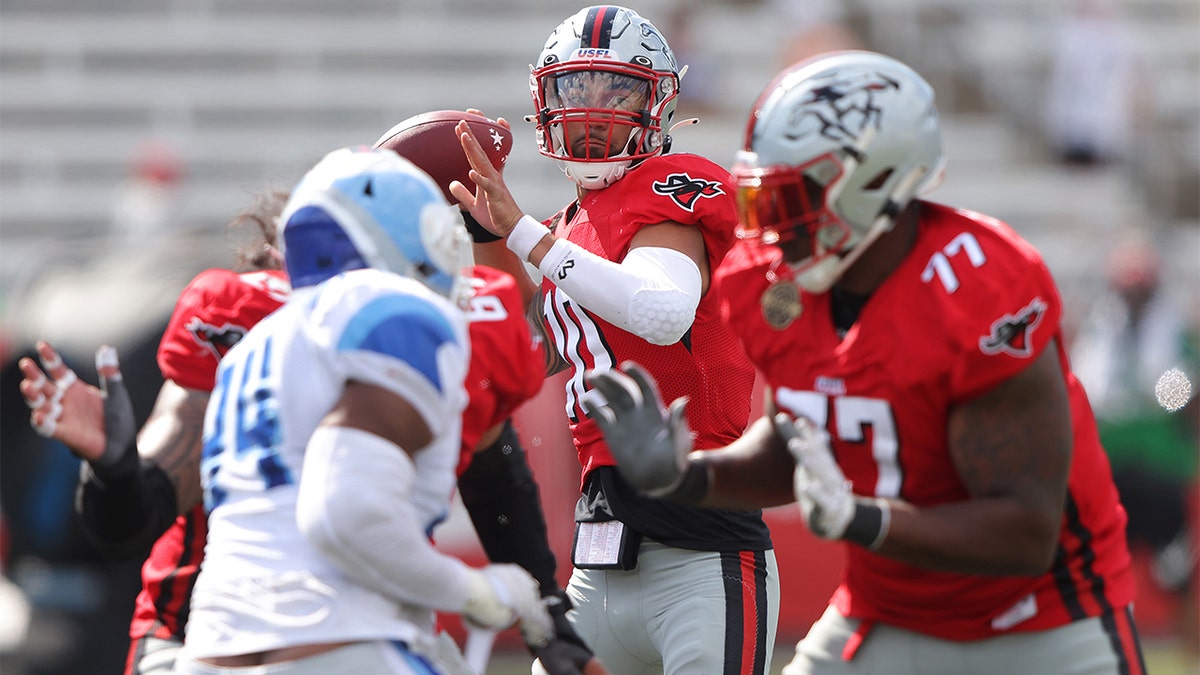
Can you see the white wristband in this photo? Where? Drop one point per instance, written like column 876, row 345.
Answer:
column 525, row 235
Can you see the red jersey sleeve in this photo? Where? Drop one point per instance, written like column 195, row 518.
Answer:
column 1006, row 302
column 682, row 188
column 507, row 364
column 211, row 315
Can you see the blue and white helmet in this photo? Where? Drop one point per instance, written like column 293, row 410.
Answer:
column 363, row 207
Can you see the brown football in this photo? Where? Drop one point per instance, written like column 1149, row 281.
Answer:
column 429, row 141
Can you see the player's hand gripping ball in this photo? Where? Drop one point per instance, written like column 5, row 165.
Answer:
column 430, row 141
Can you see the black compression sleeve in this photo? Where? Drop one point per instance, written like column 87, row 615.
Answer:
column 124, row 515
column 502, row 499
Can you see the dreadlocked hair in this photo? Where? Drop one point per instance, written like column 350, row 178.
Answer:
column 254, row 231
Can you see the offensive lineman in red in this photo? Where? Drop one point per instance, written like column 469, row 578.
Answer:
column 125, row 507
column 212, row 314
column 926, row 412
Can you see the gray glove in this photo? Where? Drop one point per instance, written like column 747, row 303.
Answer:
column 830, row 507
column 120, row 456
column 649, row 442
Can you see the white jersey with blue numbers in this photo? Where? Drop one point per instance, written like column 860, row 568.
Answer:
column 263, row 585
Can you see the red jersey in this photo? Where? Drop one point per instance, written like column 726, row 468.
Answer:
column 971, row 305
column 707, row 365
column 507, row 363
column 213, row 312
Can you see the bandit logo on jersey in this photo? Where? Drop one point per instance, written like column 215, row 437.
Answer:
column 781, row 304
column 1012, row 334
column 215, row 339
column 685, row 190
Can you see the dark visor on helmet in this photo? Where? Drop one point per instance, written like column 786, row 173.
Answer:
column 779, row 203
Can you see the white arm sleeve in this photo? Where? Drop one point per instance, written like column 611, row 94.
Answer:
column 353, row 506
column 653, row 293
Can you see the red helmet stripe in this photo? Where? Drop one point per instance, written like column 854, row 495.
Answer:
column 597, row 32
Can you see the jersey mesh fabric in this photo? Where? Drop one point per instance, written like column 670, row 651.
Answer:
column 707, row 365
column 507, row 364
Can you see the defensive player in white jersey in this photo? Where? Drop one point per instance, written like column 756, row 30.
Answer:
column 331, row 440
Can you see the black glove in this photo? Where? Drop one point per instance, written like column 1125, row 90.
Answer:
column 479, row 233
column 566, row 653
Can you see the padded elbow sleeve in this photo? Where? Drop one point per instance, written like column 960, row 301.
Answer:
column 653, row 293
column 501, row 496
column 354, row 506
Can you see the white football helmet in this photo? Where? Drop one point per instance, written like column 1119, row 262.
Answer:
column 835, row 147
column 610, row 69
column 363, row 207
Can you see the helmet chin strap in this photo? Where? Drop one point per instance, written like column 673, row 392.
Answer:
column 822, row 274
column 594, row 175
column 819, row 276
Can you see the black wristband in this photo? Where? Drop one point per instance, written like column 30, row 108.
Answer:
column 693, row 485
column 869, row 525
column 566, row 647
column 479, row 233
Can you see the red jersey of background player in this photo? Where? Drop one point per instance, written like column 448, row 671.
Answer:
column 507, row 365
column 707, row 365
column 218, row 307
column 961, row 314
column 212, row 314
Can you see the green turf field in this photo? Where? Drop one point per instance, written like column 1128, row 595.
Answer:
column 1162, row 658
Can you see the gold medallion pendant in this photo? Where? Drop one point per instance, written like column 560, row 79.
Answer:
column 781, row 304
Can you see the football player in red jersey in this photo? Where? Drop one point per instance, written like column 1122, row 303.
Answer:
column 125, row 509
column 626, row 270
column 921, row 405
column 124, row 503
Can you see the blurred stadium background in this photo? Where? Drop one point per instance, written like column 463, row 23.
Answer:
column 210, row 101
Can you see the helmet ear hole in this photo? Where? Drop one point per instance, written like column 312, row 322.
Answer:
column 316, row 247
column 815, row 193
column 879, row 180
